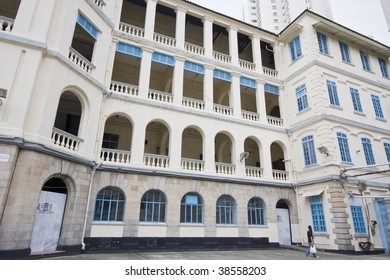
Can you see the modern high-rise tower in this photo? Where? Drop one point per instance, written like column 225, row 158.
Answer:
column 275, row 15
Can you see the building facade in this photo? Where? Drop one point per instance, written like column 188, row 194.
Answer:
column 275, row 15
column 135, row 124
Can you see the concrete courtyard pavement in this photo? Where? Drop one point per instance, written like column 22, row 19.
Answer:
column 257, row 254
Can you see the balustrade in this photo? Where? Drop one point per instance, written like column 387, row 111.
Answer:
column 99, row 3
column 193, row 103
column 270, row 72
column 64, row 139
column 80, row 61
column 221, row 109
column 116, row 156
column 123, row 88
column 225, row 168
column 247, row 115
column 247, row 65
column 222, row 57
column 6, row 24
column 275, row 121
column 131, row 29
column 160, row 96
column 255, row 172
column 156, row 160
column 194, row 48
column 163, row 39
column 192, row 164
column 280, row 175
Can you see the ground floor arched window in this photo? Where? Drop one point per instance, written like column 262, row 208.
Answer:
column 109, row 205
column 191, row 209
column 255, row 212
column 226, row 210
column 153, row 204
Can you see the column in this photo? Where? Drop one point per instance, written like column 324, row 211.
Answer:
column 208, row 36
column 175, row 143
column 208, row 88
column 235, row 95
column 150, row 18
column 144, row 77
column 267, row 161
column 256, row 52
column 138, row 141
column 233, row 45
column 260, row 102
column 180, row 27
column 178, row 75
column 209, row 152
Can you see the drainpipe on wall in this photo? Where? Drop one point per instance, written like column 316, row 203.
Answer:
column 96, row 166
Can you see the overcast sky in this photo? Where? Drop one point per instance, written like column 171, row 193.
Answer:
column 363, row 16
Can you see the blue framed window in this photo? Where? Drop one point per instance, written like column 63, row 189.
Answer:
column 301, row 97
column 163, row 59
column 367, row 148
column 191, row 209
column 255, row 212
column 332, row 91
column 153, row 205
column 222, row 75
column 376, row 102
column 383, row 66
column 387, row 151
column 358, row 220
column 317, row 214
column 194, row 67
column 87, row 26
column 344, row 147
column 226, row 210
column 357, row 105
column 309, row 152
column 248, row 82
column 365, row 61
column 345, row 52
column 128, row 49
column 109, row 205
column 295, row 48
column 322, row 43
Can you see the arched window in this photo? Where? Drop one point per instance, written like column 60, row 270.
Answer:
column 255, row 212
column 153, row 204
column 109, row 205
column 226, row 210
column 191, row 209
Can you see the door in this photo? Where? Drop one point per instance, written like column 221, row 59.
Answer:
column 383, row 216
column 283, row 221
column 48, row 222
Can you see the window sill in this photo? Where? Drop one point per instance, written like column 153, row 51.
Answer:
column 345, row 163
column 108, row 223
column 152, row 224
column 380, row 119
column 304, row 111
column 348, row 63
column 360, row 235
column 359, row 113
column 311, row 166
column 294, row 61
column 323, row 234
column 337, row 107
column 326, row 54
column 257, row 226
column 228, row 225
column 192, row 225
column 369, row 71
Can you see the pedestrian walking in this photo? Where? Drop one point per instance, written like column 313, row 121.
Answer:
column 312, row 248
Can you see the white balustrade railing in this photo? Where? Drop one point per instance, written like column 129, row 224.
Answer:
column 193, row 103
column 6, row 24
column 80, row 61
column 156, row 160
column 225, row 168
column 116, row 156
column 251, row 116
column 247, row 65
column 280, row 175
column 222, row 57
column 160, row 96
column 275, row 121
column 192, row 164
column 221, row 109
column 194, row 48
column 163, row 39
column 124, row 88
column 99, row 3
column 270, row 72
column 64, row 139
column 131, row 29
column 255, row 172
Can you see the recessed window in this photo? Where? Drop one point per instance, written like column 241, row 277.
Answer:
column 383, row 66
column 332, row 91
column 226, row 210
column 256, row 212
column 365, row 61
column 376, row 102
column 344, row 49
column 358, row 220
column 357, row 105
column 368, row 154
column 295, row 48
column 301, row 97
column 322, row 43
column 317, row 214
column 309, row 150
column 84, row 37
column 191, row 209
column 109, row 205
column 153, row 205
column 344, row 147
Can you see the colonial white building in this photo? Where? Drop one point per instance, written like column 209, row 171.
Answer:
column 131, row 124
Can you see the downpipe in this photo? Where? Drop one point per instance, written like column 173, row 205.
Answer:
column 96, row 166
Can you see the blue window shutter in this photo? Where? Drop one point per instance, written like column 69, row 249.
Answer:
column 271, row 89
column 87, row 26
column 317, row 214
column 358, row 220
column 128, row 49
column 194, row 67
column 163, row 59
column 222, row 75
column 248, row 82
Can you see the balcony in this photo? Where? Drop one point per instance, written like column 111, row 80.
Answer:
column 225, row 168
column 160, row 96
column 224, row 110
column 6, row 24
column 270, row 72
column 115, row 156
column 165, row 40
column 280, row 175
column 250, row 116
column 254, row 172
column 275, row 121
column 159, row 161
column 131, row 29
column 247, row 65
column 193, row 103
column 80, row 61
column 194, row 49
column 124, row 88
column 192, row 164
column 222, row 57
column 66, row 140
